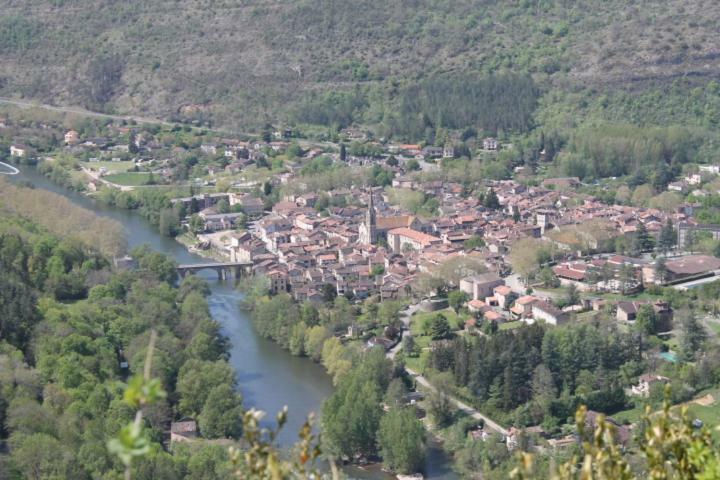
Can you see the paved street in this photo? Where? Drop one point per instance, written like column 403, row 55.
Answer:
column 406, row 318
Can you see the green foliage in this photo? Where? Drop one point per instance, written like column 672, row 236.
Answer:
column 456, row 299
column 197, row 379
column 491, row 103
column 402, row 440
column 692, row 335
column 222, row 414
column 351, row 417
column 613, row 150
column 438, row 327
column 671, row 447
column 474, row 242
column 645, row 320
column 262, row 459
column 17, row 33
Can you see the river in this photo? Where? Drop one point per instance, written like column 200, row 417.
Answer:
column 269, row 378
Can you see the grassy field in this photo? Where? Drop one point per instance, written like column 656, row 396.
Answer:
column 511, row 325
column 419, row 319
column 109, row 166
column 129, row 179
column 709, row 414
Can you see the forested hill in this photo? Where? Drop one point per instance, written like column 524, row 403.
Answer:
column 240, row 62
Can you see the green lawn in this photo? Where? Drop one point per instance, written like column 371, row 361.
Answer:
column 709, row 415
column 109, row 166
column 619, row 296
column 418, row 320
column 128, row 178
column 416, row 363
column 511, row 325
column 632, row 415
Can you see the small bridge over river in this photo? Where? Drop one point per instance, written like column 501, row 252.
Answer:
column 224, row 270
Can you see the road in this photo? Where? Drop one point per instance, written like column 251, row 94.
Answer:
column 90, row 113
column 96, row 176
column 464, row 407
column 406, row 318
column 13, row 170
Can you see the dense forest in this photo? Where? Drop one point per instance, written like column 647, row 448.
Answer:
column 67, row 322
column 246, row 63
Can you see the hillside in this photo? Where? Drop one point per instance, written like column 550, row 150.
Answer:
column 241, row 63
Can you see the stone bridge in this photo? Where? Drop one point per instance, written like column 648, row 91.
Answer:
column 224, row 270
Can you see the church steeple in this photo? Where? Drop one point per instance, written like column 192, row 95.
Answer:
column 370, row 221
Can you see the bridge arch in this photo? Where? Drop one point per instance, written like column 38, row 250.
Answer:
column 224, row 270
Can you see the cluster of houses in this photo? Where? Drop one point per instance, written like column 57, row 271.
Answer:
column 349, row 246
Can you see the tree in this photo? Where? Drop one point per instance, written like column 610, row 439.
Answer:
column 392, row 161
column 196, row 224
column 526, row 256
column 162, row 266
column 670, row 444
column 491, row 200
column 194, row 206
column 543, row 384
column 169, row 222
column 627, row 276
column 297, row 339
column 439, row 327
column 572, row 295
column 646, row 320
column 223, row 206
column 267, row 132
column 329, row 292
column 343, row 152
column 412, row 165
column 402, row 440
column 456, row 299
column 474, row 242
column 692, row 336
column 395, row 393
column 440, row 407
column 409, row 347
column 548, row 278
column 221, row 416
column 641, row 196
column 335, row 359
column 103, row 77
column 314, row 339
column 195, row 381
column 39, row 456
column 661, row 270
column 645, row 241
column 351, row 417
column 661, row 176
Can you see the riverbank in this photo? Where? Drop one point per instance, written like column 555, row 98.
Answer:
column 268, row 376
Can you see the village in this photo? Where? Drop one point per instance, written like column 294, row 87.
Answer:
column 525, row 250
column 358, row 241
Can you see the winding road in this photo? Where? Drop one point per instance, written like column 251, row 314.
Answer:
column 13, row 170
column 406, row 318
column 90, row 113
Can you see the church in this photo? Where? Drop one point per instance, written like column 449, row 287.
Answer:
column 375, row 228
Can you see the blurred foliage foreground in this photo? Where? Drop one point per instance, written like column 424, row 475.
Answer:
column 671, row 446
